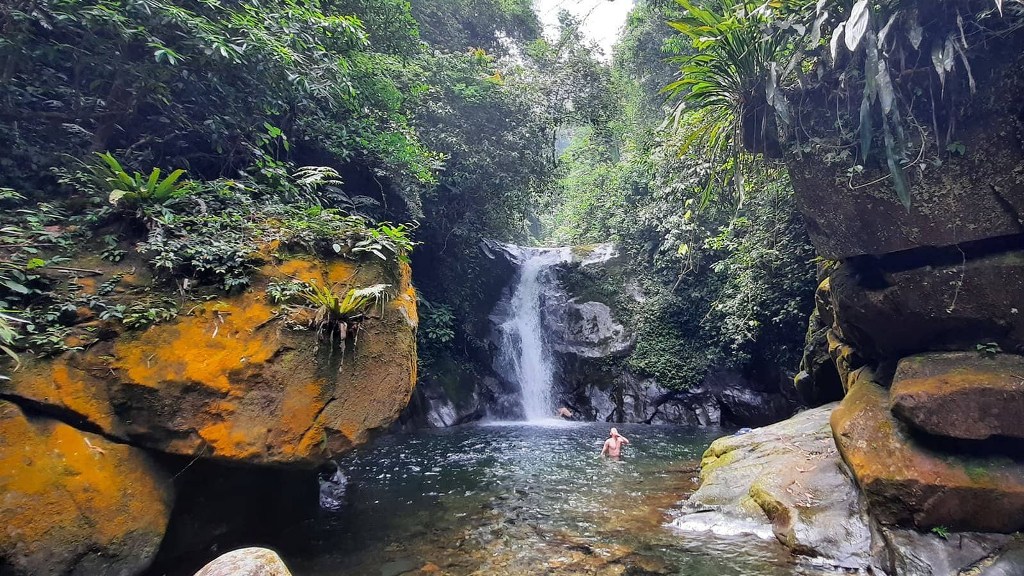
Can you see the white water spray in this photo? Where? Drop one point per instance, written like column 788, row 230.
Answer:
column 524, row 348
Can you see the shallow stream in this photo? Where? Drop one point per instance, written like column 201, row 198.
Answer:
column 511, row 499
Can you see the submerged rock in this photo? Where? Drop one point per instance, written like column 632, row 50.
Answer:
column 246, row 562
column 784, row 480
column 76, row 503
column 961, row 394
column 909, row 484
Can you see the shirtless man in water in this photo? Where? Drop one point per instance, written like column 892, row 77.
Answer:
column 613, row 445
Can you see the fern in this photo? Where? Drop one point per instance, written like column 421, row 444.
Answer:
column 137, row 189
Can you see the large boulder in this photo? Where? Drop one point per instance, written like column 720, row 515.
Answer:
column 787, row 480
column 896, row 312
column 974, row 196
column 907, row 483
column 74, row 503
column 229, row 380
column 961, row 394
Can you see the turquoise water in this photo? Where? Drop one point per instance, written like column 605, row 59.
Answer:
column 524, row 499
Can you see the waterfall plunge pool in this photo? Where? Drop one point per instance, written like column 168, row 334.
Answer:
column 522, row 499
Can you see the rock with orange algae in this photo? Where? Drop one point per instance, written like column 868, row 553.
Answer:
column 76, row 503
column 908, row 483
column 231, row 381
column 246, row 562
column 961, row 394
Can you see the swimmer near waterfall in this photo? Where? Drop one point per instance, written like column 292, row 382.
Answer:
column 613, row 445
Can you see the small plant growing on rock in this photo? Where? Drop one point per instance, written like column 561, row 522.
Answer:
column 137, row 189
column 337, row 316
column 988, row 349
column 941, row 532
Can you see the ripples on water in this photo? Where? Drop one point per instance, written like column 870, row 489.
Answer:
column 510, row 499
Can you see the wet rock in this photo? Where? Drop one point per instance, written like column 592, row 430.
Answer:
column 961, row 394
column 913, row 553
column 229, row 381
column 591, row 331
column 909, row 484
column 448, row 395
column 1008, row 562
column 784, row 480
column 950, row 306
column 75, row 503
column 246, row 562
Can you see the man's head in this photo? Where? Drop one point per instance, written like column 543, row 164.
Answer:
column 613, row 433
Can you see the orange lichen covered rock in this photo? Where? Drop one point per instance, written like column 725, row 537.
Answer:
column 909, row 484
column 961, row 394
column 229, row 380
column 73, row 502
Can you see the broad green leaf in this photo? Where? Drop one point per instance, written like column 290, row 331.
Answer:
column 834, row 43
column 885, row 91
column 166, row 187
column 892, row 158
column 857, row 24
column 116, row 196
column 865, row 127
column 15, row 287
column 871, row 66
column 35, row 263
column 154, row 177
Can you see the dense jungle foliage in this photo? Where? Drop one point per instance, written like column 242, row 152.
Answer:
column 187, row 136
column 725, row 284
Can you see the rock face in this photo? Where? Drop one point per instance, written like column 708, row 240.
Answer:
column 592, row 345
column 232, row 381
column 977, row 195
column 922, row 321
column 950, row 306
column 229, row 381
column 587, row 332
column 909, row 484
column 961, row 394
column 785, row 480
column 76, row 503
column 246, row 562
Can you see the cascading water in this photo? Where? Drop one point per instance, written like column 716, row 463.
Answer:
column 524, row 357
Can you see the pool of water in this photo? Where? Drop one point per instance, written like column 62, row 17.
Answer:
column 516, row 499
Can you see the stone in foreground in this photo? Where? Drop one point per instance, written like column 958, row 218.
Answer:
column 961, row 394
column 246, row 562
column 787, row 480
column 907, row 484
column 76, row 503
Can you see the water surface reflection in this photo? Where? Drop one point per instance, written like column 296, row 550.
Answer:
column 511, row 499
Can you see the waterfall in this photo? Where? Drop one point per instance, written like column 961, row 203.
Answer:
column 524, row 352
